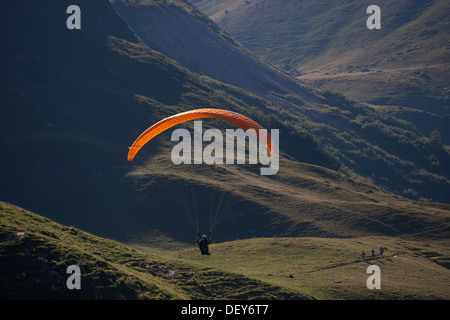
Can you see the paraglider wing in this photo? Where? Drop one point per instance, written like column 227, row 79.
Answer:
column 232, row 117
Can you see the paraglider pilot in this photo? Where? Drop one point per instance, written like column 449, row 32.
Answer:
column 203, row 243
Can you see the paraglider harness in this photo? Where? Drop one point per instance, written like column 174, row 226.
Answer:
column 203, row 243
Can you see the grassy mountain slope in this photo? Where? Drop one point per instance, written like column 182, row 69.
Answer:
column 35, row 253
column 403, row 63
column 301, row 200
column 179, row 31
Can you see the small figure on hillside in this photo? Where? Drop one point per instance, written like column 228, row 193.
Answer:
column 381, row 251
column 373, row 253
column 363, row 255
column 203, row 243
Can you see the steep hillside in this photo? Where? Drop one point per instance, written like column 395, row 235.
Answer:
column 181, row 32
column 328, row 45
column 35, row 253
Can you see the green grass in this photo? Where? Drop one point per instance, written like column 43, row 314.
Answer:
column 35, row 253
column 333, row 269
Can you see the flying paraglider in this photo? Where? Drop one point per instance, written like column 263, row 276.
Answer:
column 237, row 119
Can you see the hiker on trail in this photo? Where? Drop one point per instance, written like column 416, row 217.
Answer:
column 203, row 243
column 373, row 253
column 363, row 255
column 381, row 251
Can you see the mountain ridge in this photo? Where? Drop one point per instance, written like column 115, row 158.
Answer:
column 330, row 47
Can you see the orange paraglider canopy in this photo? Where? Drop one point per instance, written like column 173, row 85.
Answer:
column 232, row 117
